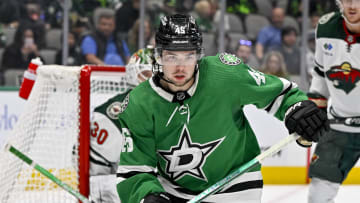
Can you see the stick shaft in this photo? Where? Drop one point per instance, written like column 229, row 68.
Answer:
column 244, row 168
column 46, row 173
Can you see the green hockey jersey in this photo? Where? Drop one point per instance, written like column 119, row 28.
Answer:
column 182, row 148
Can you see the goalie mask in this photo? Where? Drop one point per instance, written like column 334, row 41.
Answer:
column 140, row 65
column 176, row 33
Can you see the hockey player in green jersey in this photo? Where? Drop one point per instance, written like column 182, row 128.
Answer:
column 185, row 127
column 336, row 78
column 105, row 133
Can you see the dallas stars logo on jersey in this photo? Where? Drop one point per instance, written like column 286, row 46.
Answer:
column 229, row 59
column 187, row 157
column 344, row 77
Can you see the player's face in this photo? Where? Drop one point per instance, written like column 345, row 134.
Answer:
column 273, row 64
column 178, row 68
column 352, row 10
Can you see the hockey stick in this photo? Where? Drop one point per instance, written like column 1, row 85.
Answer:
column 244, row 168
column 46, row 173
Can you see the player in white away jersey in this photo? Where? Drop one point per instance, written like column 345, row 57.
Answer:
column 336, row 87
column 106, row 138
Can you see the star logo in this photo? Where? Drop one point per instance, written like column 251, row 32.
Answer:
column 187, row 157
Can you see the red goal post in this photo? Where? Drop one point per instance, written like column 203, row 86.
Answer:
column 54, row 131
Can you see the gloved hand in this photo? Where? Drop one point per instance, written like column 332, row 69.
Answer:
column 157, row 198
column 307, row 120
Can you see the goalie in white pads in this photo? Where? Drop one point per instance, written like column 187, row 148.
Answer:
column 106, row 138
column 336, row 77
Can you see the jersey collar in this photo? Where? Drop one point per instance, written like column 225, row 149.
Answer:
column 169, row 96
column 350, row 38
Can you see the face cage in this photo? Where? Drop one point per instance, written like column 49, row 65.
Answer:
column 134, row 70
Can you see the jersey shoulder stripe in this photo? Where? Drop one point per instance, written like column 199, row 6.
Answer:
column 330, row 26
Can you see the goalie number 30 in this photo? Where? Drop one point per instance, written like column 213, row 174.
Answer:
column 100, row 134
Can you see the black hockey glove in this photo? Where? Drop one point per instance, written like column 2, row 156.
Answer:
column 157, row 198
column 307, row 120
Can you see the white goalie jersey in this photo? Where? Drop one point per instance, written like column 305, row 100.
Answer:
column 106, row 140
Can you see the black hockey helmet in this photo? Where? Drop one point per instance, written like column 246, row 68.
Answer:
column 178, row 33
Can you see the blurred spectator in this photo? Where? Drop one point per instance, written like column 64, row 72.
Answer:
column 102, row 46
column 126, row 15
column 322, row 6
column 244, row 52
column 31, row 17
column 168, row 8
column 24, row 48
column 74, row 57
column 294, row 9
column 214, row 6
column 133, row 35
column 85, row 8
column 80, row 26
column 290, row 50
column 241, row 7
column 318, row 7
column 274, row 64
column 53, row 14
column 9, row 12
column 314, row 19
column 216, row 14
column 204, row 16
column 270, row 36
column 310, row 53
column 216, row 45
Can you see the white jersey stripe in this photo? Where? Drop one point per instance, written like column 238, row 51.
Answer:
column 277, row 102
column 129, row 168
column 253, row 194
column 250, row 176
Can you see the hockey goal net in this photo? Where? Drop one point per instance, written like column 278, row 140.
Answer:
column 54, row 131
